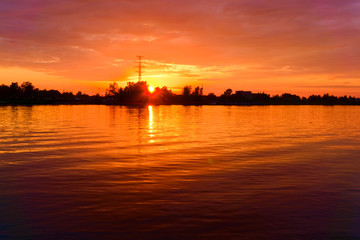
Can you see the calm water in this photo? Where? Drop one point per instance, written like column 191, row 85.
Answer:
column 175, row 172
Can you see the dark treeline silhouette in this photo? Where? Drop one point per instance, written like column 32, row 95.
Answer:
column 26, row 93
column 137, row 93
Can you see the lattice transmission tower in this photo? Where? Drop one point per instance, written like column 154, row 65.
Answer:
column 140, row 66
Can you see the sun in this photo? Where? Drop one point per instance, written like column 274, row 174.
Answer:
column 151, row 89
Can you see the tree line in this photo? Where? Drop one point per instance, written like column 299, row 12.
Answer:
column 27, row 93
column 137, row 93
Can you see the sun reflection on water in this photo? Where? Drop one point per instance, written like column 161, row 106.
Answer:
column 151, row 122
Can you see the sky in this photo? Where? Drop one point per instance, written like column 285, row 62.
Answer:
column 295, row 46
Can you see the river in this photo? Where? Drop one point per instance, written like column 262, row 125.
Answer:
column 179, row 172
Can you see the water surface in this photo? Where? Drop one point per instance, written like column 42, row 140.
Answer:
column 180, row 172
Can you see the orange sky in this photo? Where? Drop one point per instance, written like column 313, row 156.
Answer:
column 297, row 46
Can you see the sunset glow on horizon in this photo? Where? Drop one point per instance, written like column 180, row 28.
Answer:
column 302, row 47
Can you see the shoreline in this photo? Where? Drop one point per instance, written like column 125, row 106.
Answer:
column 173, row 104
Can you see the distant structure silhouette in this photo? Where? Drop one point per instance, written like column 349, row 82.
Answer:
column 140, row 66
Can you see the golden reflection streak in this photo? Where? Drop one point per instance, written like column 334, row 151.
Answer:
column 151, row 121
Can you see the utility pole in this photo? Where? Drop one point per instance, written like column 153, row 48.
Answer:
column 140, row 62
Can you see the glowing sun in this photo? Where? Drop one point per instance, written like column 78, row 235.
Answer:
column 151, row 89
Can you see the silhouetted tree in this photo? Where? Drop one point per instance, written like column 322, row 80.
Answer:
column 28, row 89
column 4, row 92
column 113, row 89
column 134, row 93
column 186, row 91
column 197, row 91
column 314, row 99
column 211, row 96
column 227, row 92
column 161, row 96
column 15, row 91
column 288, row 98
column 79, row 94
